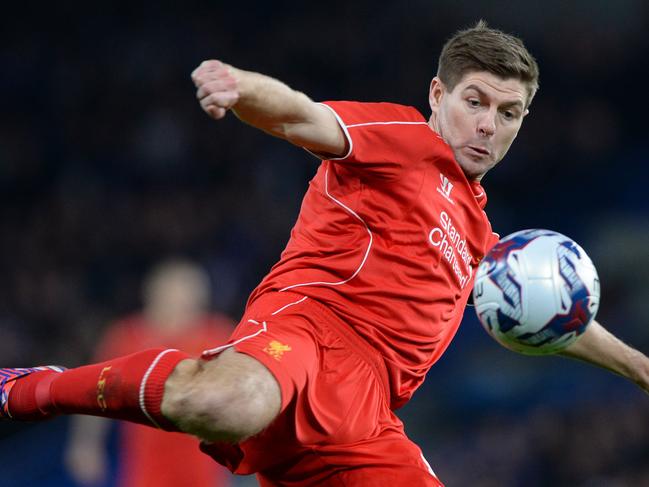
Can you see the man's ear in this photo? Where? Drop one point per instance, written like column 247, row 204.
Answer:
column 435, row 93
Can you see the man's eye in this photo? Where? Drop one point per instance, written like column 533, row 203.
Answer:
column 474, row 103
column 509, row 115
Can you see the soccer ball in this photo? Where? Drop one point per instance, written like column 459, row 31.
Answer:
column 536, row 291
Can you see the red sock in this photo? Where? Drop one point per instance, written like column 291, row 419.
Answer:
column 128, row 388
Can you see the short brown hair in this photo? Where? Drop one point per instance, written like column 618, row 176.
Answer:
column 481, row 48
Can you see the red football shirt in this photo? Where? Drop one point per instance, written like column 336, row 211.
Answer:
column 389, row 237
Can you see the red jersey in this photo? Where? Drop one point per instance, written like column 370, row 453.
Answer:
column 389, row 237
column 148, row 456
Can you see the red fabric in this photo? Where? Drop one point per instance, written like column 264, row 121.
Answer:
column 109, row 389
column 142, row 460
column 22, row 398
column 382, row 245
column 389, row 459
column 386, row 460
column 336, row 424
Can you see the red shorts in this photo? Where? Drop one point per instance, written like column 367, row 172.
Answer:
column 336, row 427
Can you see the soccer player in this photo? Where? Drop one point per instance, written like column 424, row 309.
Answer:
column 366, row 296
column 176, row 295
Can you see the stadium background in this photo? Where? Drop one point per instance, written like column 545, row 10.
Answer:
column 107, row 164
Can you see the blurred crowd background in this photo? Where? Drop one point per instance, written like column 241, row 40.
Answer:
column 108, row 166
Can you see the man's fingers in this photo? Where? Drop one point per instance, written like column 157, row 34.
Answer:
column 217, row 104
column 209, row 65
column 212, row 64
column 223, row 99
column 216, row 112
column 209, row 70
column 215, row 86
column 223, row 79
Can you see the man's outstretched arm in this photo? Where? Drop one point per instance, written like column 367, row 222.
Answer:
column 600, row 347
column 269, row 105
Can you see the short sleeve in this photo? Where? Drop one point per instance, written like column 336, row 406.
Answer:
column 383, row 138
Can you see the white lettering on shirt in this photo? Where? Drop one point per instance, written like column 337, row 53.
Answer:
column 453, row 248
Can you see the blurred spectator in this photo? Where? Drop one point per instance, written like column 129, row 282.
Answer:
column 176, row 299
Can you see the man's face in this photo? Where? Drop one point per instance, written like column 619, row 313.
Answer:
column 479, row 119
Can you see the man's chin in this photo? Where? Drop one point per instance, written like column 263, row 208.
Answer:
column 474, row 170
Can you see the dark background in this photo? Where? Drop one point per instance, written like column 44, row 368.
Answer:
column 107, row 164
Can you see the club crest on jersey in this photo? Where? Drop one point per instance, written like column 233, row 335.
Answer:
column 276, row 349
column 445, row 187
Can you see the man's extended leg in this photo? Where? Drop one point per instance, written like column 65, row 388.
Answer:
column 231, row 397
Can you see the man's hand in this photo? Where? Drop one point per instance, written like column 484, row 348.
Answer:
column 217, row 89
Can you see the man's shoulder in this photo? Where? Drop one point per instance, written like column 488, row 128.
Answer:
column 358, row 113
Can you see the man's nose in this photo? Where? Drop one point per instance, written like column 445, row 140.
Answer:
column 487, row 124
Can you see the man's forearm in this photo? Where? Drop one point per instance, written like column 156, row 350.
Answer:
column 599, row 347
column 267, row 103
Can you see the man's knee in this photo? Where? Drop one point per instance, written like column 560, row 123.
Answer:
column 229, row 398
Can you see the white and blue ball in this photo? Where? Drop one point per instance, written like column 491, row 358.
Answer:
column 536, row 291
